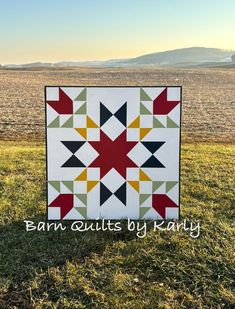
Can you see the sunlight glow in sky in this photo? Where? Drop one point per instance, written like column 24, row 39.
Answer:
column 57, row 30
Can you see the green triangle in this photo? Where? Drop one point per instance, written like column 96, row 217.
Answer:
column 55, row 184
column 82, row 198
column 143, row 211
column 144, row 197
column 55, row 123
column 170, row 185
column 157, row 123
column 82, row 109
column 81, row 96
column 68, row 184
column 82, row 211
column 68, row 123
column 144, row 110
column 157, row 184
column 144, row 96
column 171, row 123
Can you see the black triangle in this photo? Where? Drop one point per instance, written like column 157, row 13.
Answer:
column 153, row 146
column 73, row 162
column 105, row 193
column 105, row 114
column 152, row 162
column 73, row 146
column 121, row 114
column 121, row 193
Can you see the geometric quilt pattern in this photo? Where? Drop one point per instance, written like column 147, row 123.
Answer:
column 113, row 152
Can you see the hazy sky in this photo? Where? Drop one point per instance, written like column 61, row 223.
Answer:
column 54, row 30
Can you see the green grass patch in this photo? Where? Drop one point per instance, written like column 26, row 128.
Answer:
column 117, row 270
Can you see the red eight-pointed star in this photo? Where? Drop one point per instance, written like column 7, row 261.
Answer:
column 113, row 154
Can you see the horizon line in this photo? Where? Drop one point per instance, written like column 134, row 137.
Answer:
column 113, row 59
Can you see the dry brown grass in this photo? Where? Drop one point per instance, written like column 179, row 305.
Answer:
column 208, row 97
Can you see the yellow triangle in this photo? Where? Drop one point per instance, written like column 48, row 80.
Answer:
column 91, row 184
column 82, row 132
column 90, row 123
column 143, row 132
column 143, row 176
column 135, row 123
column 135, row 185
column 82, row 176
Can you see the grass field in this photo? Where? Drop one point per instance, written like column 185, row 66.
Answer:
column 117, row 270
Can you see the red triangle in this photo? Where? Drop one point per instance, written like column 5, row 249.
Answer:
column 161, row 106
column 65, row 202
column 160, row 202
column 64, row 105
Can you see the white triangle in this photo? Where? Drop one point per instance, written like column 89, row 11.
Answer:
column 77, row 105
column 51, row 114
column 162, row 119
column 148, row 105
column 161, row 189
column 78, row 202
column 112, row 208
column 72, row 92
column 64, row 189
column 173, row 194
column 147, row 202
column 153, row 92
column 73, row 214
column 175, row 114
column 63, row 119
column 152, row 214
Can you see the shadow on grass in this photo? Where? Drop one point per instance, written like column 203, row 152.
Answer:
column 24, row 253
column 21, row 250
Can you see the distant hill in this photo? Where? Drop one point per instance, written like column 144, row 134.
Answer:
column 184, row 57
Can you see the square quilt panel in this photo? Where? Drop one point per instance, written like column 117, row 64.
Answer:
column 113, row 152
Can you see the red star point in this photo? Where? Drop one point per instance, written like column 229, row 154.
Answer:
column 113, row 154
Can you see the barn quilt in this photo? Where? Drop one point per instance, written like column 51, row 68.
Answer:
column 113, row 152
